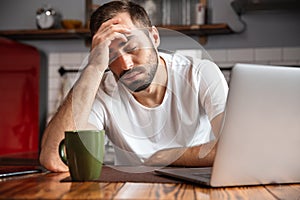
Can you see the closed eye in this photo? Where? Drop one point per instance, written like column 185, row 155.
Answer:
column 130, row 49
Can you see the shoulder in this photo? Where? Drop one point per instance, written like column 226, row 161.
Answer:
column 178, row 61
column 174, row 58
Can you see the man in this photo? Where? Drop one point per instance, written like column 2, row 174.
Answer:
column 156, row 108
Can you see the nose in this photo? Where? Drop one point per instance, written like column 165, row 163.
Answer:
column 125, row 61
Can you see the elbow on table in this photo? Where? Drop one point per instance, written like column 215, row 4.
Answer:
column 52, row 163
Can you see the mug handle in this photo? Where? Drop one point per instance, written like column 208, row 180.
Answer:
column 61, row 152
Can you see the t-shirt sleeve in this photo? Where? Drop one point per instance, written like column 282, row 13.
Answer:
column 213, row 88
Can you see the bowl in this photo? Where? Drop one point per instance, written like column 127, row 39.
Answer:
column 71, row 24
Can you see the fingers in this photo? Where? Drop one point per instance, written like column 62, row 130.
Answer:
column 109, row 23
column 109, row 31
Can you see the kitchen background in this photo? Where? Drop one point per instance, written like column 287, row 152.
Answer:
column 266, row 35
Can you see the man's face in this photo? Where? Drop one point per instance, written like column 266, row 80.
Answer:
column 134, row 62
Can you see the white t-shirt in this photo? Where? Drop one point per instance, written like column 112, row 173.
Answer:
column 196, row 93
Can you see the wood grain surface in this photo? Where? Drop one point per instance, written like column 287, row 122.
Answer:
column 49, row 186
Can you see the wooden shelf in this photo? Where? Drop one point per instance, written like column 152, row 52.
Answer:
column 50, row 34
column 55, row 34
column 200, row 30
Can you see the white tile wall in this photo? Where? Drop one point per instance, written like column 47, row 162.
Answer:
column 223, row 57
column 240, row 55
column 268, row 54
column 218, row 55
column 291, row 54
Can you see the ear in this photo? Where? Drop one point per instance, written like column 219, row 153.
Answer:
column 155, row 36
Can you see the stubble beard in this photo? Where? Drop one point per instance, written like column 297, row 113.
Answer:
column 150, row 69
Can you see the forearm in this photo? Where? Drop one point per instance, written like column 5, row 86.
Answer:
column 190, row 156
column 197, row 156
column 83, row 96
column 72, row 115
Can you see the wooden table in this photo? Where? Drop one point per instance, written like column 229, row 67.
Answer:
column 49, row 186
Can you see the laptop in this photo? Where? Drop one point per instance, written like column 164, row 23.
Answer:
column 260, row 138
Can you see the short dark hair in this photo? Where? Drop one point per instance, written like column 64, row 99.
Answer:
column 109, row 10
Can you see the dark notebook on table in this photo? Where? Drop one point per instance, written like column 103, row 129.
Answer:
column 8, row 171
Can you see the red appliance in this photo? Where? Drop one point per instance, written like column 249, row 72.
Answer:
column 19, row 101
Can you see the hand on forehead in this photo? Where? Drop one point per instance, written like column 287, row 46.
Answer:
column 136, row 39
column 136, row 34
